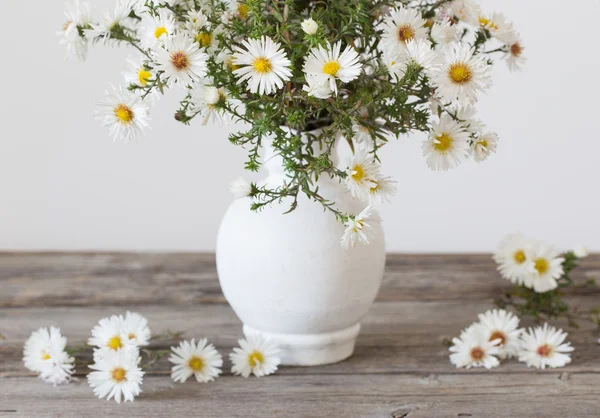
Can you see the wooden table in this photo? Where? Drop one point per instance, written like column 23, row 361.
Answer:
column 400, row 367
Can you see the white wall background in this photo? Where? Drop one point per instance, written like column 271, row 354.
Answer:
column 64, row 185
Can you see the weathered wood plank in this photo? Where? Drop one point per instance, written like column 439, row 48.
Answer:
column 554, row 394
column 145, row 279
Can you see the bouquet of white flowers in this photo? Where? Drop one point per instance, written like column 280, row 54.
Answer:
column 302, row 74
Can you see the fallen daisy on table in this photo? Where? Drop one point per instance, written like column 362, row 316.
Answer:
column 117, row 375
column 504, row 326
column 474, row 349
column 111, row 334
column 135, row 326
column 44, row 353
column 545, row 346
column 256, row 355
column 200, row 360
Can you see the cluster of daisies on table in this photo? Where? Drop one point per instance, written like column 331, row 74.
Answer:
column 117, row 370
column 535, row 265
column 427, row 61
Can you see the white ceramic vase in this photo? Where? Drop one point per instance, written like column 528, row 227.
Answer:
column 288, row 279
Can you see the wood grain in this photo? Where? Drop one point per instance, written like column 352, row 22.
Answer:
column 400, row 368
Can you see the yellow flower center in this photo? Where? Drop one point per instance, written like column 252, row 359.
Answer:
column 545, row 351
column 204, row 38
column 443, row 142
column 477, row 354
column 160, row 31
column 498, row 335
column 262, row 65
column 332, row 68
column 487, row 23
column 255, row 358
column 516, row 50
column 180, row 60
column 196, row 363
column 375, row 186
column 144, row 76
column 542, row 266
column 45, row 355
column 519, row 257
column 119, row 374
column 406, row 33
column 243, row 11
column 483, row 143
column 460, row 73
column 358, row 173
column 115, row 343
column 125, row 115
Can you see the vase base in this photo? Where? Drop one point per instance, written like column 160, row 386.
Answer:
column 312, row 349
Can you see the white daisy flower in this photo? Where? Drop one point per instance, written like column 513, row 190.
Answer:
column 240, row 188
column 467, row 11
column 263, row 63
column 362, row 134
column 117, row 375
column 504, row 326
column 498, row 27
column 207, row 38
column 210, row 102
column 581, row 251
column 225, row 57
column 468, row 119
column 155, row 29
column 514, row 57
column 239, row 9
column 256, row 355
column 200, row 360
column 358, row 228
column 78, row 15
column 317, row 87
column 420, row 52
column 309, row 26
column 196, row 20
column 444, row 33
column 362, row 169
column 462, row 75
column 395, row 62
column 135, row 326
column 511, row 257
column 58, row 369
column 545, row 269
column 331, row 65
column 382, row 190
column 474, row 349
column 139, row 74
column 124, row 113
column 181, row 60
column 545, row 347
column 110, row 334
column 112, row 18
column 447, row 146
column 44, row 353
column 402, row 25
column 484, row 145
